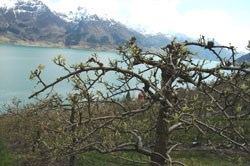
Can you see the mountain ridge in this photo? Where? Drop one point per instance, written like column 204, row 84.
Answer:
column 244, row 58
column 31, row 22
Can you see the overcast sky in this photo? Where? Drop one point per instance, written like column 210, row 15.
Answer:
column 225, row 20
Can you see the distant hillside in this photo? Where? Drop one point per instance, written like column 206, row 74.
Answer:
column 244, row 58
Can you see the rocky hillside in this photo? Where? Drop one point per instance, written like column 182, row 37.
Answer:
column 244, row 58
column 31, row 21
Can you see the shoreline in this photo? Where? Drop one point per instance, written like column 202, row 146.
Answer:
column 59, row 45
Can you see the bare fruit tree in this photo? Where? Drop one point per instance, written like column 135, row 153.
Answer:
column 180, row 93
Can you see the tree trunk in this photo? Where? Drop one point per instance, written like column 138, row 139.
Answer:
column 160, row 148
column 72, row 160
column 73, row 128
column 162, row 126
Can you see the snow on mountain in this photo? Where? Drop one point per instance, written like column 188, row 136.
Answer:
column 8, row 3
column 81, row 13
column 73, row 16
column 36, row 6
column 24, row 6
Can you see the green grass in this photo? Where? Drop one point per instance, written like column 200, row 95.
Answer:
column 117, row 159
column 204, row 158
column 191, row 158
column 6, row 158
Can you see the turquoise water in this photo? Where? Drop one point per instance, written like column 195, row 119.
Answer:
column 16, row 62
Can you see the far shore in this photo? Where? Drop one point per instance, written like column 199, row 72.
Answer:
column 81, row 46
column 59, row 45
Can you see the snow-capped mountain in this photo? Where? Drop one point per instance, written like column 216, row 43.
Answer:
column 19, row 6
column 82, row 14
column 29, row 21
column 33, row 22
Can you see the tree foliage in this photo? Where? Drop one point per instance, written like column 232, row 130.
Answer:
column 181, row 95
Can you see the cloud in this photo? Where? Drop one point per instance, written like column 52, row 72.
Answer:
column 156, row 15
column 213, row 24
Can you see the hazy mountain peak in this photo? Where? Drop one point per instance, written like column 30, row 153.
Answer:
column 81, row 13
column 20, row 6
column 8, row 3
column 30, row 6
column 74, row 16
column 13, row 3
